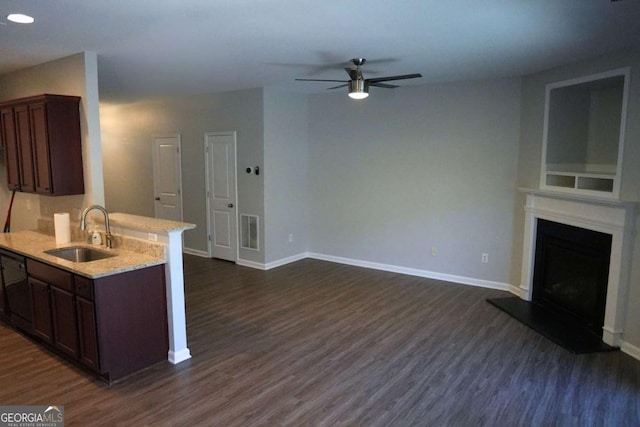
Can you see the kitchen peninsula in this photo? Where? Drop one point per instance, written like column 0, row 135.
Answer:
column 108, row 315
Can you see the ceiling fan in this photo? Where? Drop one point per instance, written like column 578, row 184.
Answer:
column 358, row 85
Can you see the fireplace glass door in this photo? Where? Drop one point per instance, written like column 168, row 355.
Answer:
column 571, row 271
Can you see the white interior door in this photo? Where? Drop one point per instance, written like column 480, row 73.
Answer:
column 221, row 195
column 167, row 177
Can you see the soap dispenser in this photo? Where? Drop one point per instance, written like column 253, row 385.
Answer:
column 96, row 238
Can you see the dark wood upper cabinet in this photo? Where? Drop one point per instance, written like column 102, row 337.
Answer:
column 10, row 144
column 25, row 148
column 43, row 147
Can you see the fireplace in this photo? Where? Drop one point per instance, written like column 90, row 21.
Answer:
column 571, row 270
column 613, row 223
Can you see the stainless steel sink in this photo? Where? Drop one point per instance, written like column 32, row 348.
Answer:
column 79, row 254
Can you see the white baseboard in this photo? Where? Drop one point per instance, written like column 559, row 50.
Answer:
column 284, row 261
column 251, row 264
column 195, row 252
column 630, row 349
column 415, row 272
column 627, row 348
column 518, row 291
column 272, row 264
column 179, row 356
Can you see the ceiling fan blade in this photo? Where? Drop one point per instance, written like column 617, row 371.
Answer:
column 383, row 85
column 389, row 78
column 339, row 86
column 321, row 80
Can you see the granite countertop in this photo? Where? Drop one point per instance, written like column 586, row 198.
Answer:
column 143, row 223
column 32, row 244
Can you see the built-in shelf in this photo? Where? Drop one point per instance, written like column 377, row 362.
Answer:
column 581, row 181
column 584, row 134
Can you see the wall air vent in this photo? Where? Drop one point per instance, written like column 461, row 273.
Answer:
column 249, row 232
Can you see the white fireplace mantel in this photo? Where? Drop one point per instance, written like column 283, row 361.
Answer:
column 609, row 216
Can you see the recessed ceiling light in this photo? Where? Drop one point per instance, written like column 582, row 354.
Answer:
column 20, row 18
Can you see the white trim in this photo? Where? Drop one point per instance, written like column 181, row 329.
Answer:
column 616, row 219
column 195, row 252
column 179, row 356
column 385, row 267
column 285, row 261
column 209, row 196
column 625, row 346
column 176, row 311
column 517, row 291
column 624, row 71
column 630, row 349
column 252, row 264
column 617, row 178
column 415, row 272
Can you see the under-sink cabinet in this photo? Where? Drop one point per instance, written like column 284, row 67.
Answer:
column 112, row 326
column 54, row 305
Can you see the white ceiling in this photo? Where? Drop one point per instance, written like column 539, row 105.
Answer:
column 149, row 47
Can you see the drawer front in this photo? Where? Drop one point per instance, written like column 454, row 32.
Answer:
column 84, row 287
column 53, row 276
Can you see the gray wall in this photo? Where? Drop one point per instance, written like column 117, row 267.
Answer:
column 286, row 165
column 604, row 126
column 568, row 125
column 415, row 168
column 128, row 129
column 533, row 93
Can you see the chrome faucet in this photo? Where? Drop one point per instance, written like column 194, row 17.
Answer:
column 83, row 222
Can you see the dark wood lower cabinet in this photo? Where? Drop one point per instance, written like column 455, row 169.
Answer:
column 88, row 340
column 65, row 325
column 114, row 325
column 2, row 303
column 41, row 305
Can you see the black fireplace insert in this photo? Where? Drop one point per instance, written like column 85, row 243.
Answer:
column 571, row 272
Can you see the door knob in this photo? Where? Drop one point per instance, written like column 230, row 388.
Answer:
column 158, row 198
column 230, row 205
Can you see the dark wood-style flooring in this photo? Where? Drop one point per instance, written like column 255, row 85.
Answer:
column 321, row 344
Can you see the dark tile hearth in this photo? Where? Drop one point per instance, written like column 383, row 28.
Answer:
column 555, row 326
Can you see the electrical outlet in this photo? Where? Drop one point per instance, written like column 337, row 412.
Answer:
column 290, row 237
column 28, row 203
column 434, row 251
column 153, row 237
column 485, row 257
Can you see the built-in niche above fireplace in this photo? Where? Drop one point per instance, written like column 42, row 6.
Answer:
column 584, row 133
column 571, row 270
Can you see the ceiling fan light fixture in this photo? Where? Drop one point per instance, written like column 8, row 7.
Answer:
column 358, row 89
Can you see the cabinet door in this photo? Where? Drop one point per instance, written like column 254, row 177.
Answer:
column 8, row 128
column 40, row 139
column 64, row 321
column 25, row 150
column 41, row 306
column 88, row 348
column 2, row 304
